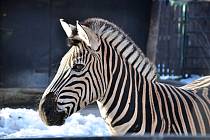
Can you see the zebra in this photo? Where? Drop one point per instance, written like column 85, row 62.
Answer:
column 104, row 65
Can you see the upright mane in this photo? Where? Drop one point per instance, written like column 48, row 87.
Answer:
column 138, row 60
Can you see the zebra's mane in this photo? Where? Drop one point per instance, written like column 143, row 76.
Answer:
column 138, row 60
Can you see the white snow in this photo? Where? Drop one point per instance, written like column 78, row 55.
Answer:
column 183, row 80
column 171, row 77
column 190, row 79
column 26, row 123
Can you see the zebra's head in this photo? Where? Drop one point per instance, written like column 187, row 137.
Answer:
column 75, row 84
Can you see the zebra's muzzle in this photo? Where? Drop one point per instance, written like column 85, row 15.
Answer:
column 48, row 111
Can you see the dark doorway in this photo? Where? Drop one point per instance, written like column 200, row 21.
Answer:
column 32, row 41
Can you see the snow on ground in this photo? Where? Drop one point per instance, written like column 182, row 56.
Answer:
column 183, row 80
column 171, row 77
column 190, row 79
column 26, row 123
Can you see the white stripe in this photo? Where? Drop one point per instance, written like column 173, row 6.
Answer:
column 138, row 62
column 107, row 33
column 112, row 36
column 141, row 65
column 133, row 57
column 122, row 45
column 128, row 50
column 117, row 40
column 101, row 29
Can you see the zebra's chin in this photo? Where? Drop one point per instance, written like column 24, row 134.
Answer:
column 55, row 118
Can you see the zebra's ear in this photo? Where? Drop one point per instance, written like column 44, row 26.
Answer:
column 82, row 34
column 67, row 27
column 88, row 36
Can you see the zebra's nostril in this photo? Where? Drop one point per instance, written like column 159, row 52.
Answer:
column 48, row 111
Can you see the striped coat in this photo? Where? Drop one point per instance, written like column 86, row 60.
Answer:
column 105, row 65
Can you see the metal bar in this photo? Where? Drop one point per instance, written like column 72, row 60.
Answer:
column 145, row 137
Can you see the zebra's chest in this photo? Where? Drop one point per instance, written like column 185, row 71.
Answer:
column 112, row 121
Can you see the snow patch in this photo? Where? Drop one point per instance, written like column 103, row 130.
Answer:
column 190, row 79
column 26, row 123
column 178, row 78
column 169, row 77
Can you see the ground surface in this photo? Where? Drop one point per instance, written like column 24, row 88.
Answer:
column 26, row 123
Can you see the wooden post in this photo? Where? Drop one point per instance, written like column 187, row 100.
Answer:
column 153, row 30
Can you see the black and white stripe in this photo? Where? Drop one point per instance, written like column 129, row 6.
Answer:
column 123, row 82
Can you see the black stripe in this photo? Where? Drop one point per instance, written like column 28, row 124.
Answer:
column 124, row 98
column 68, row 91
column 103, row 60
column 192, row 109
column 119, row 87
column 95, row 85
column 148, row 109
column 156, row 107
column 107, row 61
column 176, row 112
column 125, row 47
column 143, row 67
column 138, row 122
column 164, row 112
column 125, row 101
column 59, row 81
column 169, row 106
column 202, row 112
column 98, row 70
column 64, row 84
column 184, row 114
column 112, row 86
column 131, row 53
column 59, row 103
column 110, row 42
column 89, row 88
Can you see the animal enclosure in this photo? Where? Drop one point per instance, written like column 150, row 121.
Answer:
column 184, row 39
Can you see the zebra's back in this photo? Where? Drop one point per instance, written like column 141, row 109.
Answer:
column 185, row 111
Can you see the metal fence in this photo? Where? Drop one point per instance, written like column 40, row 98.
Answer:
column 184, row 39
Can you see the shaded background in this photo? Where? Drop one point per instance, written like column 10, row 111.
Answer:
column 184, row 38
column 32, row 41
column 174, row 34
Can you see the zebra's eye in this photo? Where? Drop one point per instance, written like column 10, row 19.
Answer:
column 78, row 67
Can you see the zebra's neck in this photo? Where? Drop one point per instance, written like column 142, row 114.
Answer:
column 125, row 67
column 120, row 99
column 124, row 46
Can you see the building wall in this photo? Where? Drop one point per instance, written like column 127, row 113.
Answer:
column 32, row 41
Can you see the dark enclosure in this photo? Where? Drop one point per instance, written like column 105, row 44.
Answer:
column 184, row 39
column 32, row 41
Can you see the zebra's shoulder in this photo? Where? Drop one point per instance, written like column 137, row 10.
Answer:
column 141, row 63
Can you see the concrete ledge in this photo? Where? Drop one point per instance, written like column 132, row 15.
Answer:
column 30, row 98
column 20, row 97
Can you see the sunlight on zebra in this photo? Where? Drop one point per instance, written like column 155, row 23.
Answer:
column 103, row 64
